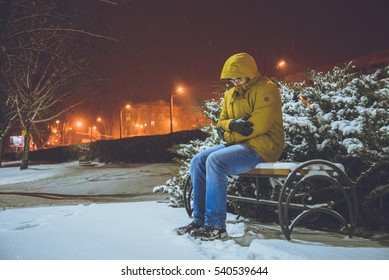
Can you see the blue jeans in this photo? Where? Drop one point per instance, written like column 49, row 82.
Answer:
column 209, row 170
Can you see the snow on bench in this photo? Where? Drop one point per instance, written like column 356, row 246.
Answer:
column 284, row 168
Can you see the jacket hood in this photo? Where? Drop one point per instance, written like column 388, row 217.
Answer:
column 240, row 65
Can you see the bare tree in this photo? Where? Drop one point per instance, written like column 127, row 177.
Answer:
column 8, row 118
column 43, row 61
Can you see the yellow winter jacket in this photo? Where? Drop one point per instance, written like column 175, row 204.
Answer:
column 260, row 101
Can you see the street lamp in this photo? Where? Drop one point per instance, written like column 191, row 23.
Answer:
column 282, row 65
column 101, row 126
column 172, row 94
column 121, row 117
column 91, row 132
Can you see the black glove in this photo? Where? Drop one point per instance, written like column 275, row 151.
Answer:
column 220, row 132
column 242, row 126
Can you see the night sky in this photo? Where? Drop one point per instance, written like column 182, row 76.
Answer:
column 170, row 42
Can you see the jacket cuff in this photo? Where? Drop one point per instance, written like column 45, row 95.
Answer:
column 228, row 137
column 227, row 124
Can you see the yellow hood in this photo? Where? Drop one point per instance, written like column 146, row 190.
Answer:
column 240, row 65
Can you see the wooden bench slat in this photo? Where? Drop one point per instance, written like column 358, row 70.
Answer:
column 277, row 172
column 284, row 168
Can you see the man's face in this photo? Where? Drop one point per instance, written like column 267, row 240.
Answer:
column 238, row 81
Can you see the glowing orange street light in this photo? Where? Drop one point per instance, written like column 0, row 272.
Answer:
column 79, row 124
column 127, row 107
column 282, row 65
column 91, row 132
column 172, row 94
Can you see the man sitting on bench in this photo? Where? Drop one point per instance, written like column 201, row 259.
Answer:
column 251, row 124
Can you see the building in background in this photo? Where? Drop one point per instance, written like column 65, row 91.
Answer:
column 153, row 118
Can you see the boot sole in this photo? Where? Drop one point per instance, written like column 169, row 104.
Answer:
column 218, row 237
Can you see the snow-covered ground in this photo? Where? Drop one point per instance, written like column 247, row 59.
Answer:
column 70, row 239
column 144, row 230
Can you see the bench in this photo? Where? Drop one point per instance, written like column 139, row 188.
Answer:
column 310, row 188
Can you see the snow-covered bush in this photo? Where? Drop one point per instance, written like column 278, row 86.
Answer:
column 343, row 116
column 337, row 115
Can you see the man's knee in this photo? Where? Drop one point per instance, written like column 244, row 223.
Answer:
column 215, row 161
column 196, row 162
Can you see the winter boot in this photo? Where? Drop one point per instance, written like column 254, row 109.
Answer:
column 209, row 233
column 187, row 229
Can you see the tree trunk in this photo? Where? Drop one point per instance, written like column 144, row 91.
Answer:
column 1, row 149
column 24, row 163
